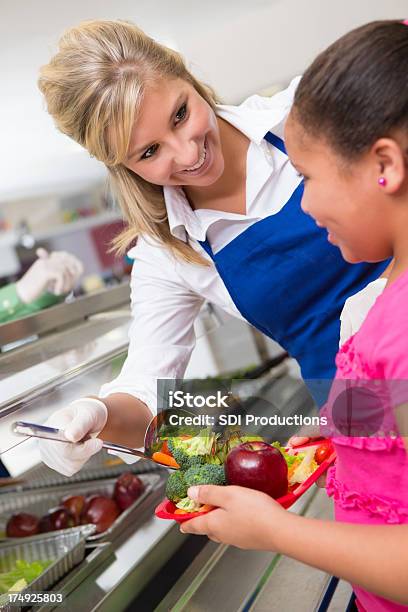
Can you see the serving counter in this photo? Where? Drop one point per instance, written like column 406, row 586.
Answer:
column 69, row 351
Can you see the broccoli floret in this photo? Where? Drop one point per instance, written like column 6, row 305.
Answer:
column 189, row 452
column 205, row 474
column 180, row 455
column 176, row 487
column 171, row 444
column 195, row 461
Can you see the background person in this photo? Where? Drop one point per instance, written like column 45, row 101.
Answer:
column 50, row 278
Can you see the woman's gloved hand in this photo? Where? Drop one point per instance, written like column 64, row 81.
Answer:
column 356, row 308
column 82, row 417
column 55, row 272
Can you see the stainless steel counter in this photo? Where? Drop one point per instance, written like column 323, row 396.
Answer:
column 64, row 314
column 107, row 581
column 67, row 361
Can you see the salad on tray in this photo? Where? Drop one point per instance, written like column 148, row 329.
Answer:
column 232, row 458
column 19, row 576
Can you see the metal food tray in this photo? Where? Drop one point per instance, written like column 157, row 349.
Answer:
column 97, row 468
column 39, row 501
column 65, row 549
column 98, row 554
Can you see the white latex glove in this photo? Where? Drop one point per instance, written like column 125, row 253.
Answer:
column 56, row 272
column 357, row 306
column 86, row 416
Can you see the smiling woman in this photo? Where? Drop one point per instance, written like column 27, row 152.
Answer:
column 185, row 148
column 112, row 113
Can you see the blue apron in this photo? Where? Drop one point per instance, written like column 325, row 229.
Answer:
column 288, row 281
column 4, row 473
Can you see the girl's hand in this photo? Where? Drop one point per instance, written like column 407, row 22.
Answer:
column 298, row 441
column 321, row 481
column 305, row 434
column 233, row 521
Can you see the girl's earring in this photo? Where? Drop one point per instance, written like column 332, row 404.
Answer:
column 382, row 181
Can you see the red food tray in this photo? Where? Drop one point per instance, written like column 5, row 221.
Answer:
column 166, row 509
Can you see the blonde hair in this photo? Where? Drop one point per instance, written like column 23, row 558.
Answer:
column 93, row 88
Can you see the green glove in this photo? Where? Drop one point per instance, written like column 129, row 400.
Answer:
column 11, row 307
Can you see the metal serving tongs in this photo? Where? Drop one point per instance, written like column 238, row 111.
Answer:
column 34, row 430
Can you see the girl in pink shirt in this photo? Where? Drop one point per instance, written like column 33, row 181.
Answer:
column 348, row 136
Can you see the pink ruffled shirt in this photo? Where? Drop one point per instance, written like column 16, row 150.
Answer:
column 369, row 482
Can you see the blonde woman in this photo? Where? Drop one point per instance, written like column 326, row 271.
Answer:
column 212, row 206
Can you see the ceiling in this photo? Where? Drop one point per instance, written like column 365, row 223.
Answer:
column 239, row 46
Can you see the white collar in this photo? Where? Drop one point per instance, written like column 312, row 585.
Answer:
column 251, row 119
column 255, row 117
column 182, row 219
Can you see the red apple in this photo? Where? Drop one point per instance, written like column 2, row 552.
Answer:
column 56, row 518
column 45, row 524
column 128, row 488
column 22, row 525
column 75, row 505
column 257, row 465
column 100, row 511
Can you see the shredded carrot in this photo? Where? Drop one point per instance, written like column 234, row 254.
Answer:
column 291, row 470
column 206, row 508
column 165, row 449
column 180, row 511
column 165, row 459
